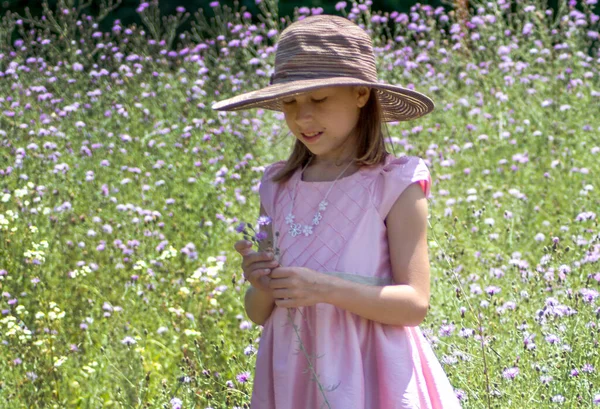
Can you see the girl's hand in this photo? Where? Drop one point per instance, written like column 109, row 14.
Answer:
column 297, row 286
column 256, row 265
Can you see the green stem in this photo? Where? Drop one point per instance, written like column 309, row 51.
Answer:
column 303, row 349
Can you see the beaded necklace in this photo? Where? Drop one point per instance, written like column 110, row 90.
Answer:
column 307, row 229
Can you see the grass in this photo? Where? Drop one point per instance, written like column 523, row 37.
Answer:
column 121, row 190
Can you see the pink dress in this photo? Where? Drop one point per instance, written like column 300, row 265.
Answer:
column 360, row 363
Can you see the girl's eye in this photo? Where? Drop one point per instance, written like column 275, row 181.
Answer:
column 292, row 101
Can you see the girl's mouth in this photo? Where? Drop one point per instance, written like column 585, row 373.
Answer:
column 312, row 138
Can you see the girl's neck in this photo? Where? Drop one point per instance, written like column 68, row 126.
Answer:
column 331, row 163
column 321, row 172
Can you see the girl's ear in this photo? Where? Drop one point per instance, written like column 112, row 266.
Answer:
column 362, row 95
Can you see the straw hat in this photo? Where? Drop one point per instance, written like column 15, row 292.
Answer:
column 323, row 51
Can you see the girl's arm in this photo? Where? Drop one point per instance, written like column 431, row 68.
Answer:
column 407, row 302
column 398, row 305
column 259, row 304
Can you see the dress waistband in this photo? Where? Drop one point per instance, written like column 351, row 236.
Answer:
column 376, row 281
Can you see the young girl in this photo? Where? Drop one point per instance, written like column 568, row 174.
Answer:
column 342, row 303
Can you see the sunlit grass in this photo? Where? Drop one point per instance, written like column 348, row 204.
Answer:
column 121, row 190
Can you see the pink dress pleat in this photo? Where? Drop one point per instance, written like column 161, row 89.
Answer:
column 359, row 363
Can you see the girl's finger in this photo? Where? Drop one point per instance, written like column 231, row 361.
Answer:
column 284, row 303
column 240, row 244
column 278, row 283
column 281, row 293
column 262, row 256
column 243, row 247
column 256, row 274
column 259, row 265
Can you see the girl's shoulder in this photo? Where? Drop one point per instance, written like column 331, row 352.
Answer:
column 395, row 175
column 395, row 167
column 272, row 169
column 405, row 162
column 275, row 166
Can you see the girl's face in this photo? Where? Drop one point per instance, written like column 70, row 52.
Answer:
column 334, row 112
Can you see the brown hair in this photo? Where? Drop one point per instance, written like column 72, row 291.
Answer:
column 370, row 150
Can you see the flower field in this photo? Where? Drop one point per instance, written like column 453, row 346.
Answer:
column 121, row 190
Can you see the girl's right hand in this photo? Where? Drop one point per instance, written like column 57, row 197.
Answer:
column 256, row 265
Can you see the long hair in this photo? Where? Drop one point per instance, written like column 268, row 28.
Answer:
column 370, row 142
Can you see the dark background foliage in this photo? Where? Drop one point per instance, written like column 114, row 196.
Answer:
column 126, row 11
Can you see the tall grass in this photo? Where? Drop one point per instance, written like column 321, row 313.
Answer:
column 121, row 189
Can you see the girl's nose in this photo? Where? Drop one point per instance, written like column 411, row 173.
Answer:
column 304, row 112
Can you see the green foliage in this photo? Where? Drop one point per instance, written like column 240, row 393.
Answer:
column 121, row 191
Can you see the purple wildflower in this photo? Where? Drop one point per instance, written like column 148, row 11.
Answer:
column 510, row 373
column 261, row 235
column 340, row 5
column 589, row 295
column 243, row 377
column 176, row 403
column 491, row 290
column 128, row 341
column 589, row 368
column 264, row 220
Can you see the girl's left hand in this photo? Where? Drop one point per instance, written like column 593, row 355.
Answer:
column 297, row 286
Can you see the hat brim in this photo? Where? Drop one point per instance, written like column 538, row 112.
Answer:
column 397, row 103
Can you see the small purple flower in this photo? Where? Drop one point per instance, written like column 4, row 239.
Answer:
column 491, row 290
column 176, row 403
column 340, row 5
column 460, row 394
column 261, row 235
column 510, row 373
column 589, row 295
column 243, row 377
column 264, row 220
column 128, row 341
column 240, row 227
column 446, row 330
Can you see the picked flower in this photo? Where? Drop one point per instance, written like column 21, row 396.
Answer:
column 257, row 236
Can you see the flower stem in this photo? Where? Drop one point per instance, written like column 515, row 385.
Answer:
column 303, row 349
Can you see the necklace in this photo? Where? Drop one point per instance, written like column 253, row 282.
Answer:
column 307, row 229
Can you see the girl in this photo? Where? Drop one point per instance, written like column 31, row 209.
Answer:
column 342, row 304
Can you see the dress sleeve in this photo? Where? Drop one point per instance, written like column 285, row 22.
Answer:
column 267, row 189
column 395, row 177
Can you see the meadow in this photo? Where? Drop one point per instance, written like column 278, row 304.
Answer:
column 121, row 191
